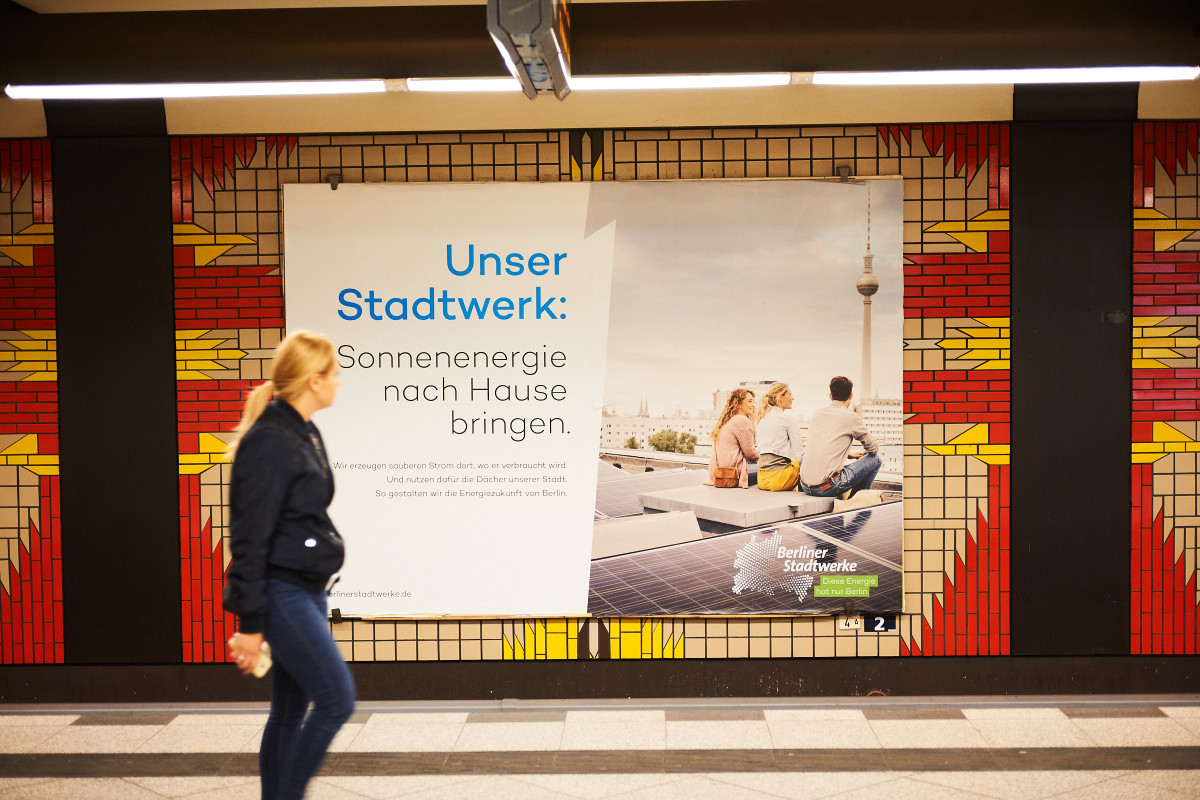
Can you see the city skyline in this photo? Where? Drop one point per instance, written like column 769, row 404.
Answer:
column 735, row 281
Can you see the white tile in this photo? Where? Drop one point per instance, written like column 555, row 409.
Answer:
column 823, row 733
column 1031, row 733
column 807, row 785
column 23, row 740
column 617, row 715
column 1122, row 789
column 318, row 790
column 251, row 791
column 199, row 739
column 405, row 738
column 695, row 787
column 385, row 787
column 1184, row 781
column 597, row 786
column 495, row 736
column 185, row 787
column 490, row 787
column 717, row 735
column 234, row 791
column 50, row 720
column 1013, row 713
column 809, row 714
column 1181, row 711
column 908, row 789
column 614, row 736
column 9, row 786
column 1137, row 732
column 343, row 740
column 254, row 744
column 82, row 789
column 418, row 718
column 98, row 739
column 1031, row 785
column 926, row 733
column 209, row 720
column 1191, row 724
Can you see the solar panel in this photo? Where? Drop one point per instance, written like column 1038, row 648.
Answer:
column 620, row 498
column 870, row 530
column 799, row 568
column 610, row 472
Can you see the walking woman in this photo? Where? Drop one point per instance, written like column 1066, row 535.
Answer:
column 286, row 555
column 733, row 438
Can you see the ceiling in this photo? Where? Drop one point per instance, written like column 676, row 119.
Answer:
column 261, row 39
column 102, row 41
column 108, row 6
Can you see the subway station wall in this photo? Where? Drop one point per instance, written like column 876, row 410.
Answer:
column 228, row 313
column 1166, row 313
column 228, row 309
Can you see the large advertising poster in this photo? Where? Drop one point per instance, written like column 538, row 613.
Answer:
column 509, row 442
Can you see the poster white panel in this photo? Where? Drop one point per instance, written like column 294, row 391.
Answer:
column 471, row 322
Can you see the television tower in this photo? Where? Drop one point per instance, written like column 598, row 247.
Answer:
column 867, row 285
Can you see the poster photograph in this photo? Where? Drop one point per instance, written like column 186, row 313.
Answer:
column 531, row 374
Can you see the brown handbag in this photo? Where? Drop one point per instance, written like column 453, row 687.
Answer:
column 726, row 477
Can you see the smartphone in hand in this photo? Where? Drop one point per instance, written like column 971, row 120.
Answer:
column 264, row 662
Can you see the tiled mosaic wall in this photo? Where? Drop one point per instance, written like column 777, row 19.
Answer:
column 31, row 612
column 1166, row 388
column 228, row 316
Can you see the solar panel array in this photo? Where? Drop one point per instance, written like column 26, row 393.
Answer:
column 699, row 577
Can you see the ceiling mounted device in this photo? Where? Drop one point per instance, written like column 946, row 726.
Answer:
column 532, row 37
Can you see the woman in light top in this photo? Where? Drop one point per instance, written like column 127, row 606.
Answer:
column 733, row 437
column 779, row 441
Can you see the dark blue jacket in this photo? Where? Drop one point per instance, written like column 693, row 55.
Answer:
column 279, row 496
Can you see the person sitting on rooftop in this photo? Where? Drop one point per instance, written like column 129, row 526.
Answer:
column 833, row 429
column 733, row 438
column 779, row 441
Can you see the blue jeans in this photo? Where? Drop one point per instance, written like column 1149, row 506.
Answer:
column 858, row 474
column 308, row 667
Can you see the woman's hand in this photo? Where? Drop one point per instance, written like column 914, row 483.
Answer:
column 245, row 650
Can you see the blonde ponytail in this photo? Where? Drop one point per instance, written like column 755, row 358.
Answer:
column 297, row 358
column 770, row 398
column 256, row 401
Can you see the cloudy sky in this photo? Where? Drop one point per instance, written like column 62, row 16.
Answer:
column 718, row 282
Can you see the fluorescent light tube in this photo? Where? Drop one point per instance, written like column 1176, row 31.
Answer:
column 138, row 91
column 606, row 82
column 585, row 83
column 1004, row 76
column 463, row 85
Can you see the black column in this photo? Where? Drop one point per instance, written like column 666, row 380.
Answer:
column 116, row 359
column 1072, row 242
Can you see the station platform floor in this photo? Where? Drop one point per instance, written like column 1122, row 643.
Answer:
column 1020, row 747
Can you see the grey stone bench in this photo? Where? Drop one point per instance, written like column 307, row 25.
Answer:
column 743, row 508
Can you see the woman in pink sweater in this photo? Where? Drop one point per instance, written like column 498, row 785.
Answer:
column 733, row 437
